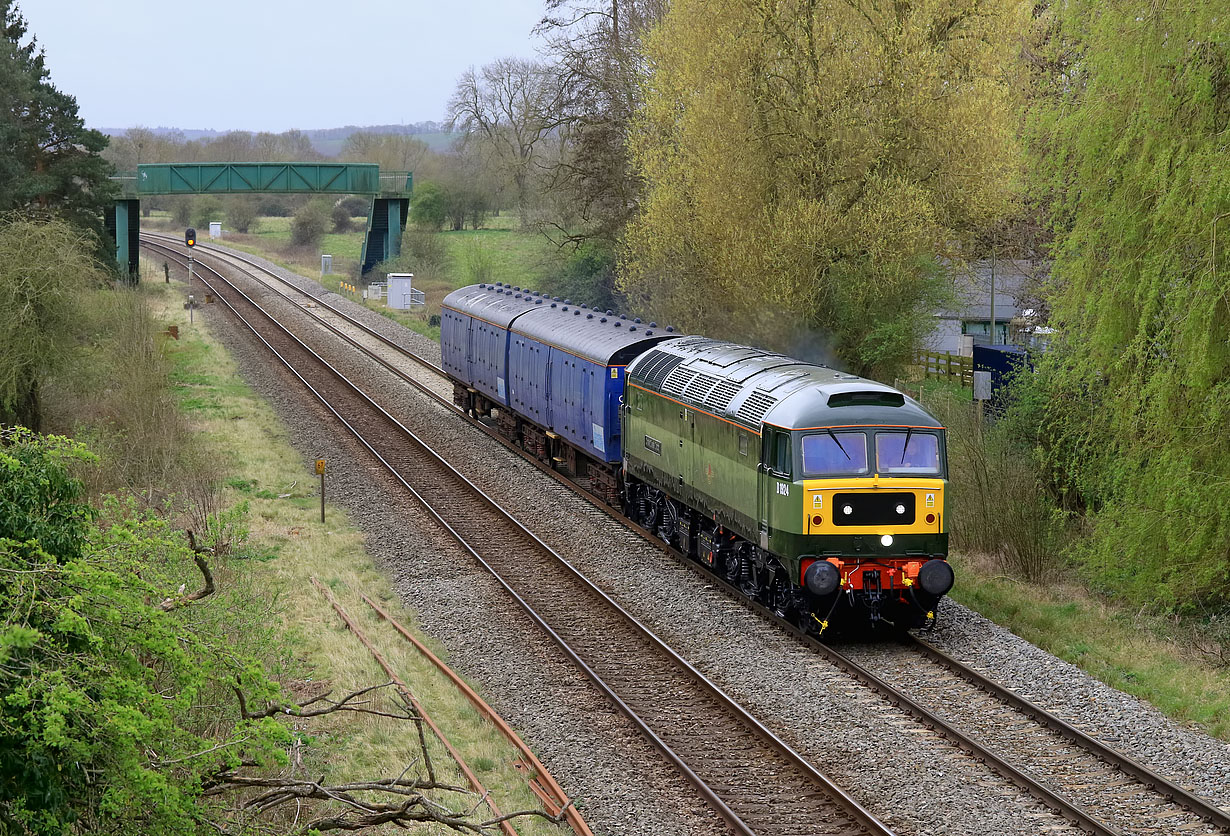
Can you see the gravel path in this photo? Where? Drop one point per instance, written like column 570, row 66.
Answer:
column 906, row 775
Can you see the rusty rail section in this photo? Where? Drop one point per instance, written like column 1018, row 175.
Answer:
column 475, row 783
column 541, row 781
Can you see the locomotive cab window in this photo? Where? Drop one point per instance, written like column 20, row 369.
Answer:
column 908, row 451
column 835, row 454
column 776, row 451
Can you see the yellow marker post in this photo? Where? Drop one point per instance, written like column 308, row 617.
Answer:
column 320, row 470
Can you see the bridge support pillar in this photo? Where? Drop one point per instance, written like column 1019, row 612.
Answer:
column 385, row 224
column 123, row 222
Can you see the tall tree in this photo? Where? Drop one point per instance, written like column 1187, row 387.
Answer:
column 815, row 163
column 597, row 46
column 48, row 159
column 511, row 110
column 392, row 152
column 1129, row 143
column 45, row 266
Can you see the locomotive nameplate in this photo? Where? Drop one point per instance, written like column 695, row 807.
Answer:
column 653, row 445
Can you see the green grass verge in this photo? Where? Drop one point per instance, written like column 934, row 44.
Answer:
column 1145, row 657
column 292, row 546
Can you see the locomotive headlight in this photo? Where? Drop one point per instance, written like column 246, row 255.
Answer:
column 900, row 509
column 886, row 540
column 846, row 509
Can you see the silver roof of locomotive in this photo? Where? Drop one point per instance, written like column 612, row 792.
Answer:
column 752, row 387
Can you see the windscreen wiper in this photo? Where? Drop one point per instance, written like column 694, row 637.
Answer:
column 908, row 432
column 838, row 443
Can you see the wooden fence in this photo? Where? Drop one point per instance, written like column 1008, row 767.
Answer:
column 951, row 367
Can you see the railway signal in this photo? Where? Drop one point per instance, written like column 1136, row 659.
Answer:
column 190, row 237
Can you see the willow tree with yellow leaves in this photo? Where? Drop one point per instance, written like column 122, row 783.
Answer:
column 814, row 166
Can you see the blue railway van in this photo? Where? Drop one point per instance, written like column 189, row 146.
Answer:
column 556, row 365
column 474, row 336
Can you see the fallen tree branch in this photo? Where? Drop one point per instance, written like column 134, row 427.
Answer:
column 346, row 703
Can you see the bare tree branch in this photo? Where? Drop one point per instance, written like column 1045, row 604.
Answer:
column 198, row 557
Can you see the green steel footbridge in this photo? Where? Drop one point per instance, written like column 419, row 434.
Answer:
column 386, row 217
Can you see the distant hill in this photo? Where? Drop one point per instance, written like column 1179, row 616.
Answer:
column 327, row 141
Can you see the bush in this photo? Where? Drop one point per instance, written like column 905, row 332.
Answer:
column 273, row 206
column 181, row 210
column 341, row 218
column 998, row 501
column 587, row 276
column 242, row 214
column 427, row 208
column 308, row 225
column 477, row 261
column 206, row 208
column 356, row 206
column 104, row 719
column 426, row 250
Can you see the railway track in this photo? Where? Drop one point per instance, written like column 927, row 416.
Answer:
column 1096, row 787
column 748, row 775
column 1131, row 797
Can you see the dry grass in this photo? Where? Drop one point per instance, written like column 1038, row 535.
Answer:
column 288, row 546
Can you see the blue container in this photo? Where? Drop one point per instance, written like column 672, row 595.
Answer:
column 1003, row 362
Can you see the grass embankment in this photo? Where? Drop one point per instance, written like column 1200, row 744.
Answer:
column 1152, row 658
column 289, row 545
column 1146, row 657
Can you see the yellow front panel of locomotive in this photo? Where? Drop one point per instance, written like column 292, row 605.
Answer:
column 928, row 499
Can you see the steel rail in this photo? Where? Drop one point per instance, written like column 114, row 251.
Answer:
column 1163, row 786
column 839, row 796
column 225, row 255
column 477, row 423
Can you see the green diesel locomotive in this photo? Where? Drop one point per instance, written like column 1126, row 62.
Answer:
column 819, row 493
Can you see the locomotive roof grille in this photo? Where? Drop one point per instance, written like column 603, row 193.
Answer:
column 677, row 382
column 700, row 387
column 754, row 406
column 656, row 366
column 722, row 395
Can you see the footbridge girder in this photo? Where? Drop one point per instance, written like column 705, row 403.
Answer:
column 386, row 218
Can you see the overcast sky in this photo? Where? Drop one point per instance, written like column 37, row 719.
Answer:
column 271, row 65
